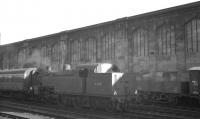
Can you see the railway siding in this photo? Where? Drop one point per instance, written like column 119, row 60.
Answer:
column 139, row 112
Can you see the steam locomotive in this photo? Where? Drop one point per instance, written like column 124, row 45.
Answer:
column 100, row 85
column 18, row 82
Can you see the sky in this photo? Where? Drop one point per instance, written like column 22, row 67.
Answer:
column 26, row 19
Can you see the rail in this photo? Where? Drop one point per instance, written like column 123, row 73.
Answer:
column 11, row 115
column 139, row 112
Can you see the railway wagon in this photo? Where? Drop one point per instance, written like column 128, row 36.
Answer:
column 161, row 87
column 18, row 82
column 151, row 87
column 194, row 75
column 130, row 88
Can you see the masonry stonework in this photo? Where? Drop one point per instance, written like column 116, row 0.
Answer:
column 162, row 41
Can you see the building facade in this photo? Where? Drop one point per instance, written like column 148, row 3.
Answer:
column 162, row 41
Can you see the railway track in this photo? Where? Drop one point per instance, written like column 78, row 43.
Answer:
column 4, row 115
column 138, row 112
column 55, row 113
column 176, row 112
column 21, row 115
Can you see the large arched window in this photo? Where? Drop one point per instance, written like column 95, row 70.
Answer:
column 140, row 42
column 75, row 51
column 21, row 56
column 45, row 58
column 192, row 35
column 56, row 53
column 166, row 39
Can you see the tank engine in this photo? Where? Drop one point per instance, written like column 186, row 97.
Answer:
column 89, row 85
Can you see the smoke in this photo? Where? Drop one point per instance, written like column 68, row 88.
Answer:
column 13, row 56
column 35, row 59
